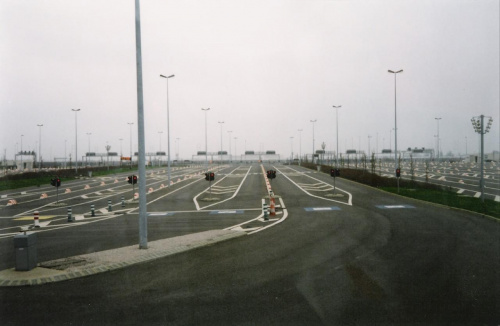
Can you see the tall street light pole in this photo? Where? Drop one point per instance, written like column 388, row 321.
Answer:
column 291, row 147
column 478, row 124
column 143, row 213
column 438, row 155
column 313, row 122
column 168, row 130
column 206, row 153
column 76, row 139
column 40, row 146
column 300, row 145
column 395, row 124
column 337, row 121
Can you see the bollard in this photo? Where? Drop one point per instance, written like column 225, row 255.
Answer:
column 273, row 204
column 92, row 210
column 123, row 201
column 70, row 217
column 264, row 209
column 35, row 219
column 109, row 206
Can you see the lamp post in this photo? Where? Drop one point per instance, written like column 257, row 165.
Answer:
column 168, row 130
column 438, row 155
column 130, row 125
column 313, row 122
column 76, row 139
column 206, row 154
column 337, row 120
column 40, row 146
column 395, row 124
column 478, row 124
column 291, row 147
column 300, row 145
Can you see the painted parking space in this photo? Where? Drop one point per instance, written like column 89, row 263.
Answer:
column 394, row 206
column 235, row 211
column 321, row 209
column 161, row 214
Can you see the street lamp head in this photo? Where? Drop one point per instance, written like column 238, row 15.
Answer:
column 314, row 120
column 339, row 106
column 76, row 110
column 167, row 76
column 205, row 109
column 395, row 72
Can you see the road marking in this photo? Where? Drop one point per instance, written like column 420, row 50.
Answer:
column 460, row 191
column 394, row 206
column 349, row 203
column 319, row 209
column 4, row 196
column 227, row 212
column 497, row 198
column 161, row 214
column 30, row 218
column 477, row 195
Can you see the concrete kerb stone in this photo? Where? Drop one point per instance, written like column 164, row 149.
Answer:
column 108, row 260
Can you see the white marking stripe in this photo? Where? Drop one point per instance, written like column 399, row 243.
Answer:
column 460, row 191
column 497, row 198
column 477, row 195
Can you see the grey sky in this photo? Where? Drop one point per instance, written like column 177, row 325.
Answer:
column 265, row 68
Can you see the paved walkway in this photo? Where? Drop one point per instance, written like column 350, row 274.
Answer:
column 103, row 261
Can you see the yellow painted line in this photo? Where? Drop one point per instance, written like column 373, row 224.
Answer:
column 30, row 218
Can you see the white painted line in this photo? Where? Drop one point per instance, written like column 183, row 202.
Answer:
column 349, row 203
column 477, row 195
column 79, row 217
column 497, row 198
column 23, row 192
column 103, row 210
column 4, row 196
column 460, row 191
column 84, row 196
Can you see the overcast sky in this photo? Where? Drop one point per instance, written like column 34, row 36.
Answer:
column 265, row 68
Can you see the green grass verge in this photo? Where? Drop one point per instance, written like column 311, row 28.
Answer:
column 451, row 199
column 35, row 179
column 418, row 190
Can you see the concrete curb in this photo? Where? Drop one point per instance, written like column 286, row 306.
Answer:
column 104, row 261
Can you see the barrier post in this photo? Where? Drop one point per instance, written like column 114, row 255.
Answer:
column 36, row 220
column 92, row 210
column 70, row 217
column 109, row 206
column 123, row 201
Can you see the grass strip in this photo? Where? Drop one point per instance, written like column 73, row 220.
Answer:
column 451, row 199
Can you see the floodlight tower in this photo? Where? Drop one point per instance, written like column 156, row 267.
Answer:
column 478, row 125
